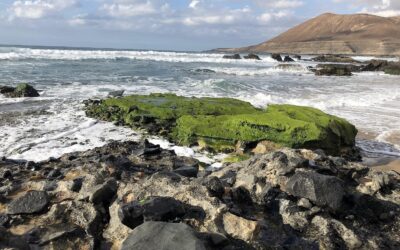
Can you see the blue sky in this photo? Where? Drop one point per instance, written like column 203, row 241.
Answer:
column 165, row 25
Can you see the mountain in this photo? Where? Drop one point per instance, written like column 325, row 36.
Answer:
column 360, row 34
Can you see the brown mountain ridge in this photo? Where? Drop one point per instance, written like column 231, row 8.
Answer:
column 358, row 34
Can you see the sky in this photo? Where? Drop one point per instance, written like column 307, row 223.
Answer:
column 165, row 25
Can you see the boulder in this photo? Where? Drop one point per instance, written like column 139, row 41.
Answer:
column 277, row 57
column 239, row 228
column 30, row 203
column 187, row 171
column 165, row 209
column 288, row 59
column 162, row 235
column 103, row 193
column 22, row 90
column 252, row 56
column 234, row 57
column 321, row 189
column 215, row 187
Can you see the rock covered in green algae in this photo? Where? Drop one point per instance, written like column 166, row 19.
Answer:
column 219, row 123
column 22, row 90
column 393, row 69
column 288, row 125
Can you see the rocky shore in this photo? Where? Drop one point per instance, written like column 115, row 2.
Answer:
column 290, row 193
column 131, row 195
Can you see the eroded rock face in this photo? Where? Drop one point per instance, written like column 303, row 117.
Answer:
column 127, row 195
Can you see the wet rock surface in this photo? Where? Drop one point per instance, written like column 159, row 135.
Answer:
column 234, row 57
column 22, row 90
column 129, row 195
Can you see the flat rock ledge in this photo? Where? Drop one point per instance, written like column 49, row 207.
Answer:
column 129, row 195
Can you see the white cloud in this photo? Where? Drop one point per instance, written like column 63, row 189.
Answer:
column 35, row 9
column 280, row 4
column 131, row 8
column 377, row 7
column 193, row 4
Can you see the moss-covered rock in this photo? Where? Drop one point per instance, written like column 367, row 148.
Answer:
column 220, row 123
column 159, row 112
column 336, row 69
column 22, row 90
column 393, row 69
column 292, row 126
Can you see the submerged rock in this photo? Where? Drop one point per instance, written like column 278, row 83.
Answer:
column 22, row 90
column 288, row 59
column 334, row 59
column 235, row 57
column 219, row 124
column 252, row 56
column 375, row 65
column 334, row 70
column 392, row 69
column 277, row 57
column 117, row 93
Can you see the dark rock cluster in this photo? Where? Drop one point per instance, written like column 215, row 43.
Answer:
column 129, row 195
column 22, row 90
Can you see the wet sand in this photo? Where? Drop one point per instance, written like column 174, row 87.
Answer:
column 392, row 165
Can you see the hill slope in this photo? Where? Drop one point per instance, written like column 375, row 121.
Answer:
column 337, row 34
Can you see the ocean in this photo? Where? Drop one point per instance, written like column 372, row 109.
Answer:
column 53, row 124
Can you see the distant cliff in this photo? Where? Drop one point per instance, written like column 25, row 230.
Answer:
column 360, row 34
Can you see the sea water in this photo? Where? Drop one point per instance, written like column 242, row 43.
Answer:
column 55, row 123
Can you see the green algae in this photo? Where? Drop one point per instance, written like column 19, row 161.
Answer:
column 288, row 125
column 218, row 124
column 392, row 70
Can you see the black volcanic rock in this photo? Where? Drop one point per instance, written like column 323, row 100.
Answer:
column 235, row 57
column 31, row 202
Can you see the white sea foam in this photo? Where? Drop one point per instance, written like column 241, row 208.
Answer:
column 70, row 54
column 265, row 71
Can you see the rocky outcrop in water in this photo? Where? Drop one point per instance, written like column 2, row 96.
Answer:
column 277, row 57
column 335, row 69
column 234, row 57
column 334, row 59
column 288, row 59
column 22, row 90
column 226, row 125
column 252, row 56
column 127, row 195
